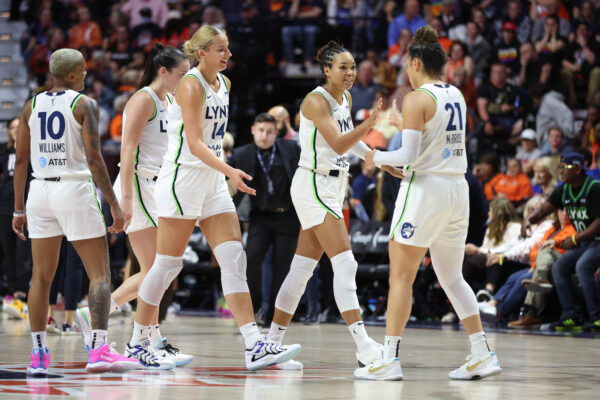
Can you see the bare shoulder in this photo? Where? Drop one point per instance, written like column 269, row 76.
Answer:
column 314, row 104
column 85, row 107
column 419, row 99
column 139, row 102
column 189, row 87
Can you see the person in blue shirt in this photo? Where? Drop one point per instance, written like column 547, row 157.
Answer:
column 411, row 20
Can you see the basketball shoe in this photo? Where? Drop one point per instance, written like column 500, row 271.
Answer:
column 164, row 349
column 370, row 354
column 289, row 365
column 147, row 356
column 381, row 370
column 105, row 359
column 52, row 326
column 477, row 368
column 40, row 359
column 265, row 353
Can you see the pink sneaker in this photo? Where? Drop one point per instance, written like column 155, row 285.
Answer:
column 40, row 359
column 105, row 359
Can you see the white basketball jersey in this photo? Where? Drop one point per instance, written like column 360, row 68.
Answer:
column 315, row 152
column 56, row 142
column 443, row 139
column 215, row 111
column 153, row 142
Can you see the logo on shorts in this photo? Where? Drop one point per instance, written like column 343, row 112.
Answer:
column 43, row 162
column 446, row 153
column 407, row 230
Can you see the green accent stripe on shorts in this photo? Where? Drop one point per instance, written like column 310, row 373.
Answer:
column 314, row 177
column 96, row 199
column 137, row 152
column 141, row 201
column 74, row 102
column 412, row 179
column 175, row 161
column 429, row 93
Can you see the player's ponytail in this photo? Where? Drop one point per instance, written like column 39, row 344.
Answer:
column 160, row 56
column 426, row 47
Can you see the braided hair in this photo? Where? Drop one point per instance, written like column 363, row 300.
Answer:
column 327, row 53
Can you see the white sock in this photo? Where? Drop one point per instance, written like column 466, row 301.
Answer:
column 38, row 339
column 276, row 333
column 140, row 333
column 479, row 346
column 113, row 305
column 391, row 347
column 98, row 338
column 251, row 334
column 359, row 334
column 154, row 335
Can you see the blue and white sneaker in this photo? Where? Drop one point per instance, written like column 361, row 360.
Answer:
column 265, row 353
column 147, row 356
column 164, row 349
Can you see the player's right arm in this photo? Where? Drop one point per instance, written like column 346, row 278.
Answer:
column 316, row 108
column 189, row 95
column 138, row 110
column 86, row 113
column 20, row 172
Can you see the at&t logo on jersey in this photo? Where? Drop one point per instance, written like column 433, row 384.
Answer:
column 407, row 230
column 43, row 162
column 446, row 153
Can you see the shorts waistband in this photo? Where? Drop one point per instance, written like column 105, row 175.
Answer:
column 146, row 174
column 64, row 178
column 331, row 172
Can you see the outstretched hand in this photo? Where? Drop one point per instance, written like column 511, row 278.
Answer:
column 395, row 117
column 237, row 177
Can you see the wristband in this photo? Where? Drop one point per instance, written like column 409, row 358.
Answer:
column 18, row 213
column 573, row 240
column 501, row 261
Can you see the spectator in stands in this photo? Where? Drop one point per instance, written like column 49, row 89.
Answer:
column 273, row 221
column 540, row 13
column 304, row 17
column 531, row 71
column 452, row 25
column 119, row 51
column 496, row 103
column 98, row 68
column 459, row 57
column 37, row 34
column 582, row 249
column 436, row 24
column 386, row 74
column 589, row 128
column 213, row 16
column 550, row 46
column 514, row 185
column 507, row 50
column 515, row 15
column 398, row 52
column 544, row 176
column 588, row 14
column 115, row 20
column 38, row 63
column 460, row 79
column 410, row 19
column 595, row 172
column 528, row 152
column 159, row 8
column 581, row 65
column 479, row 48
column 363, row 91
column 146, row 31
column 116, row 123
column 361, row 183
column 543, row 257
column 379, row 136
column 86, row 32
column 552, row 111
column 486, row 29
column 176, row 31
column 487, row 168
column 284, row 126
column 554, row 145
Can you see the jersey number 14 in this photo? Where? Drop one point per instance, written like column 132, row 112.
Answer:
column 218, row 132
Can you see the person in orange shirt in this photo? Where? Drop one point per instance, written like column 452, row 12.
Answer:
column 514, row 185
column 86, row 32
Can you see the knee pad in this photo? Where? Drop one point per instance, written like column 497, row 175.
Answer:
column 157, row 280
column 294, row 284
column 344, row 281
column 232, row 260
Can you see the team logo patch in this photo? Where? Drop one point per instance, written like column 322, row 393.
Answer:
column 43, row 162
column 446, row 153
column 407, row 230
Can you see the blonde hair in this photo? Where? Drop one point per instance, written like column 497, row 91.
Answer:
column 201, row 40
column 503, row 212
column 63, row 61
column 548, row 164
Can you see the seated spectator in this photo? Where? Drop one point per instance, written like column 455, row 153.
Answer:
column 514, row 185
column 284, row 126
column 487, row 168
column 379, row 136
column 590, row 127
column 528, row 152
column 386, row 74
column 553, row 146
column 37, row 34
column 588, row 14
column 451, row 22
column 531, row 71
column 581, row 66
column 104, row 95
column 364, row 89
column 86, row 32
column 176, row 31
column 540, row 11
column 304, row 18
column 116, row 124
column 398, row 52
column 98, row 67
column 119, row 51
column 410, row 19
column 515, row 15
column 486, row 29
column 360, row 184
column 38, row 63
column 460, row 79
column 550, row 47
column 503, row 229
column 213, row 15
column 516, row 264
column 552, row 111
column 582, row 254
column 507, row 51
column 442, row 38
column 146, row 31
column 479, row 48
column 132, row 8
column 542, row 258
column 459, row 57
column 544, row 177
column 115, row 20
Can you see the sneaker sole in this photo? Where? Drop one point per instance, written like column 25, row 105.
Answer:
column 183, row 362
column 282, row 357
column 397, row 377
column 291, row 367
column 492, row 372
column 37, row 371
column 117, row 366
column 13, row 313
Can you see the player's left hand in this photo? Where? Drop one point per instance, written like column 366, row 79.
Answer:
column 397, row 172
column 18, row 224
column 567, row 244
column 369, row 159
column 118, row 219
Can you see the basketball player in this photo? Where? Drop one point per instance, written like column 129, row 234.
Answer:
column 432, row 209
column 59, row 129
column 318, row 189
column 191, row 187
column 143, row 146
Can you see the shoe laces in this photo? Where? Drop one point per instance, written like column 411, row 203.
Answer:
column 170, row 349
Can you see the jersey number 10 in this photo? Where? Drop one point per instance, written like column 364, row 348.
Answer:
column 47, row 125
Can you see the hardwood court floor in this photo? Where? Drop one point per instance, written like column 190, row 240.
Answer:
column 535, row 367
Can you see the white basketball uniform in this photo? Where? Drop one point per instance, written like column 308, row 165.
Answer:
column 186, row 187
column 319, row 185
column 148, row 158
column 62, row 197
column 433, row 201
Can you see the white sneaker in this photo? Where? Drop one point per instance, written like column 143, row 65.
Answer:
column 147, row 356
column 370, row 354
column 480, row 368
column 382, row 370
column 486, row 308
column 84, row 321
column 164, row 349
column 449, row 318
column 290, row 365
column 52, row 326
column 265, row 353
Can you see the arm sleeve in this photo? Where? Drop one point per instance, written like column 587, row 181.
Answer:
column 405, row 155
column 360, row 149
